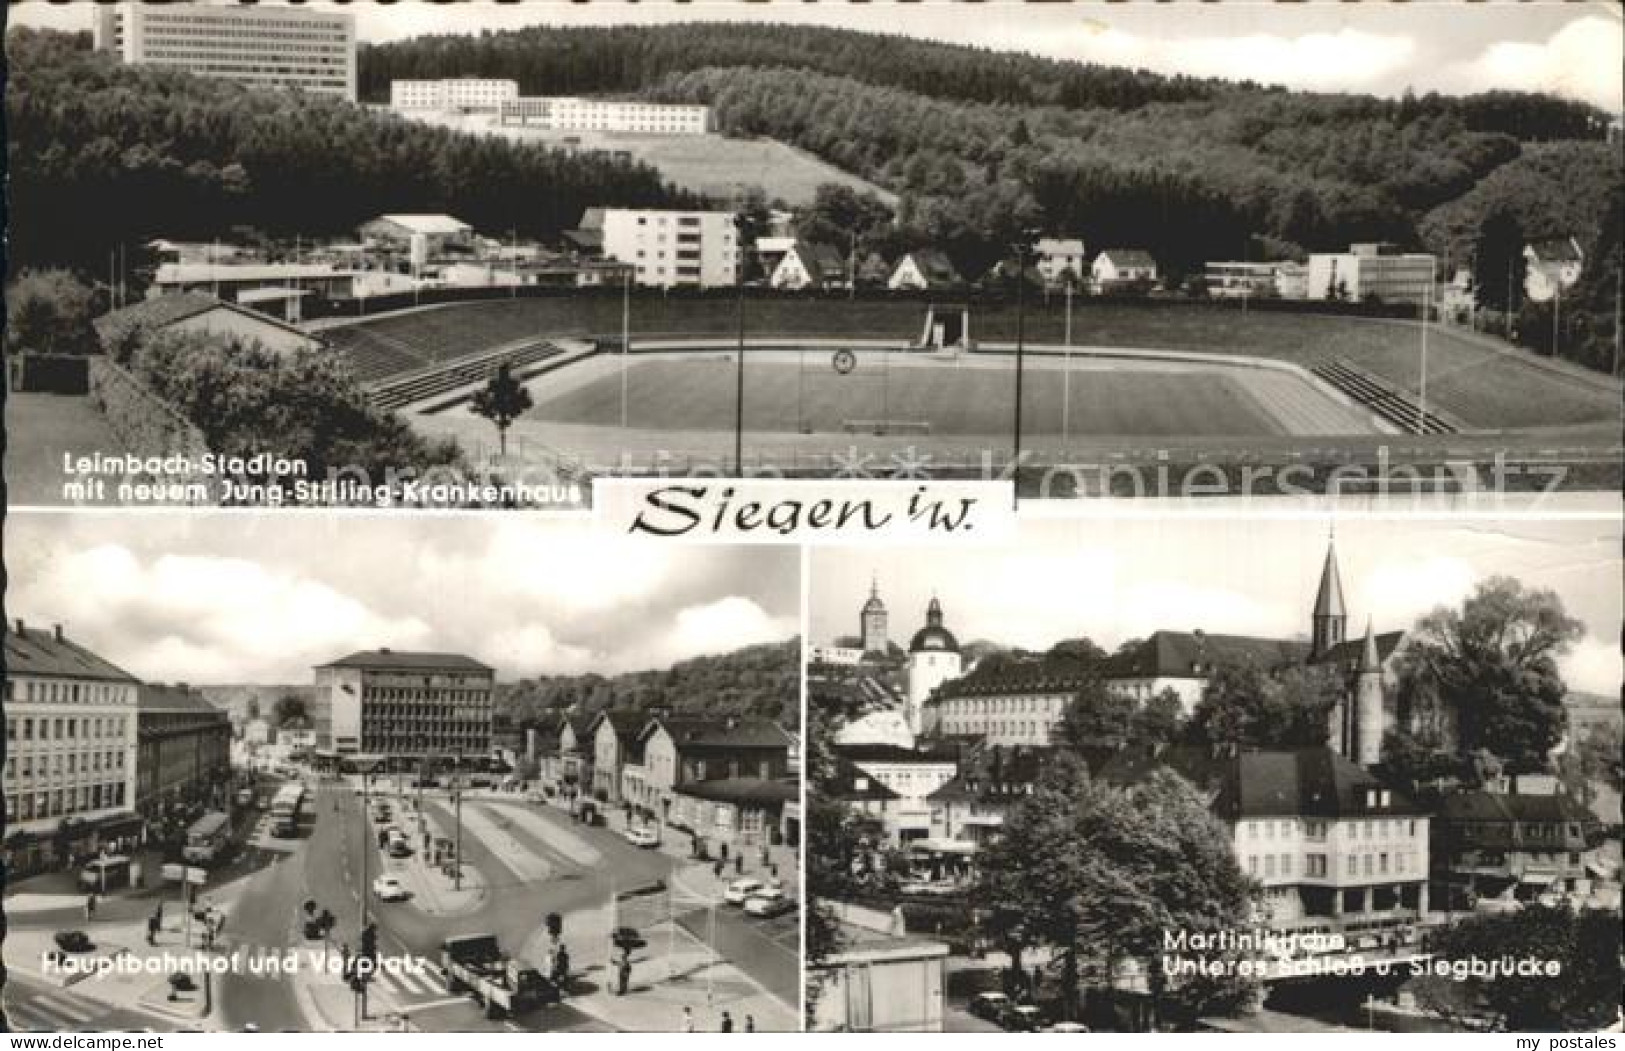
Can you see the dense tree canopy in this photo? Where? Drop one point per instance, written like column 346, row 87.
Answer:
column 101, row 155
column 756, row 681
column 1487, row 673
column 1248, row 706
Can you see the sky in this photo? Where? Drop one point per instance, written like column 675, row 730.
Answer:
column 1114, row 581
column 228, row 599
column 1569, row 48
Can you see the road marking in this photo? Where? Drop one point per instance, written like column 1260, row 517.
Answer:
column 59, row 1012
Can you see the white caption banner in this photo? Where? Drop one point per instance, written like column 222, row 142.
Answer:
column 780, row 511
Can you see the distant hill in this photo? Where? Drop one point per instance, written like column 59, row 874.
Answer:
column 761, row 681
column 238, row 700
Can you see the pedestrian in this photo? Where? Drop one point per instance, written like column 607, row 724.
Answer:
column 158, row 913
column 688, row 1020
column 717, row 868
column 90, row 907
column 750, row 1023
column 625, row 974
column 152, row 929
column 739, row 864
column 727, row 1022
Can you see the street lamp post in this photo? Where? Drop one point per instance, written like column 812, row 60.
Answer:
column 739, row 368
column 1021, row 248
column 626, row 335
column 1422, row 385
column 1066, row 374
column 457, row 815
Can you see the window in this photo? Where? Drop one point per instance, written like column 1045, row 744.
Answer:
column 1315, row 866
column 1354, row 865
column 1269, row 866
column 1252, row 864
column 1382, row 864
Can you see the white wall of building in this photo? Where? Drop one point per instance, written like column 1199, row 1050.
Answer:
column 671, row 249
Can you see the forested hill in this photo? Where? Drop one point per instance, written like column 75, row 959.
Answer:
column 101, row 154
column 758, row 681
column 979, row 144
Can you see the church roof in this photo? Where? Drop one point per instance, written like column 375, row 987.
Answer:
column 1350, row 652
column 933, row 636
column 1329, row 599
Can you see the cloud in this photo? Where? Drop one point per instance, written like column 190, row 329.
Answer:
column 203, row 618
column 1594, row 667
column 1580, row 61
column 1396, row 593
column 1345, row 60
column 717, row 627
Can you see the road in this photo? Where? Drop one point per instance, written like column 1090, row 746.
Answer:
column 532, row 860
column 36, row 1007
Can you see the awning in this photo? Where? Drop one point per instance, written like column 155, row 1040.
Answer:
column 943, row 846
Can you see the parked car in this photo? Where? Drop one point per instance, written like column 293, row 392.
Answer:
column 399, row 848
column 1022, row 1018
column 990, row 1006
column 646, row 838
column 390, row 888
column 1065, row 1027
column 768, row 905
column 73, row 941
column 740, row 889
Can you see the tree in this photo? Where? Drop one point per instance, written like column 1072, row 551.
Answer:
column 1098, row 719
column 1099, row 874
column 1584, row 947
column 501, row 401
column 49, row 312
column 1488, row 672
column 1245, row 706
column 1498, row 262
column 288, row 707
column 1158, row 721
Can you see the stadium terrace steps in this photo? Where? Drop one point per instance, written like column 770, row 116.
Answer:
column 418, row 385
column 1395, row 406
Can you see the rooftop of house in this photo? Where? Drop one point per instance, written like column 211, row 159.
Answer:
column 398, row 660
column 49, row 653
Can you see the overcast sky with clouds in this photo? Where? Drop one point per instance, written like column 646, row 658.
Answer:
column 1568, row 48
column 212, row 599
column 1113, row 581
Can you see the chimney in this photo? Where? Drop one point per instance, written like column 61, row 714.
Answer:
column 56, row 629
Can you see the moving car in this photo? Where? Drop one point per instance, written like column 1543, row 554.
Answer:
column 504, row 985
column 400, row 848
column 390, row 888
column 73, row 941
column 1065, row 1027
column 769, row 904
column 642, row 837
column 740, row 889
column 105, row 874
column 990, row 1006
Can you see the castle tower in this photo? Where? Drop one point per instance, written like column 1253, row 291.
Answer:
column 1368, row 710
column 1330, row 615
column 933, row 659
column 872, row 622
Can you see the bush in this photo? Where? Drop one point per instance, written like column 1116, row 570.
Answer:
column 49, row 312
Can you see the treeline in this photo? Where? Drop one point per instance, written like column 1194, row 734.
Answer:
column 1250, row 174
column 625, row 59
column 755, row 682
column 101, row 154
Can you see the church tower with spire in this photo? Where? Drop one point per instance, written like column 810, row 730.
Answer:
column 1330, row 615
column 872, row 622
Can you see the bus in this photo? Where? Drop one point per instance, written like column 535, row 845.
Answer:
column 207, row 839
column 286, row 807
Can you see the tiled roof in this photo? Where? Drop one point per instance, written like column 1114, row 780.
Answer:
column 691, row 733
column 1500, row 807
column 1304, row 782
column 396, row 660
column 845, row 780
column 1193, row 654
column 427, row 224
column 1347, row 653
column 157, row 698
column 37, row 651
column 742, row 790
column 1127, row 257
column 821, row 261
column 173, row 307
column 891, row 753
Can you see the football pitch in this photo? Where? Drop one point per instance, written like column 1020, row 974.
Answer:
column 790, row 392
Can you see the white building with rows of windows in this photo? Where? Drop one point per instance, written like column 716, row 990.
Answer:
column 671, row 249
column 634, row 117
column 452, row 95
column 259, row 45
column 70, row 746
